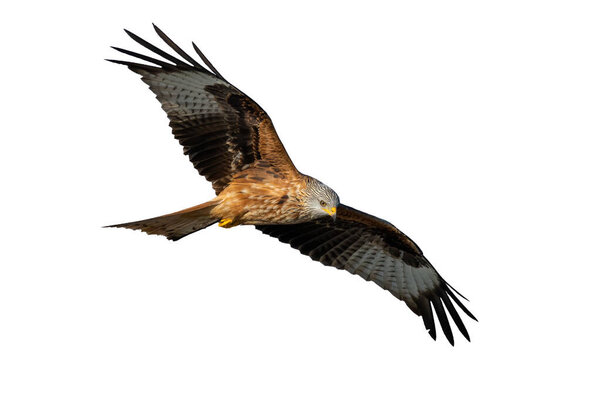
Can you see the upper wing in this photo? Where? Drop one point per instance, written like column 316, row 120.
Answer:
column 376, row 250
column 222, row 130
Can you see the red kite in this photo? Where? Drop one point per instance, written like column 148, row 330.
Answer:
column 232, row 142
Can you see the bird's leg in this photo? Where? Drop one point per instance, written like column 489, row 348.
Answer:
column 225, row 223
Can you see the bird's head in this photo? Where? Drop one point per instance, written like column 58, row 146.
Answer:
column 321, row 199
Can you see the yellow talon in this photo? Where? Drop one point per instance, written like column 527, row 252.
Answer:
column 224, row 222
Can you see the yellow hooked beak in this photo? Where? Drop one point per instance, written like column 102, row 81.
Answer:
column 331, row 211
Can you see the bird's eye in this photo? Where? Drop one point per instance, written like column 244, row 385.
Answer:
column 323, row 203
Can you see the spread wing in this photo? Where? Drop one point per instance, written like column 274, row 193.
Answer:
column 222, row 130
column 377, row 251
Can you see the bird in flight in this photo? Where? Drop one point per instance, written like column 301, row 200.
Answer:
column 231, row 141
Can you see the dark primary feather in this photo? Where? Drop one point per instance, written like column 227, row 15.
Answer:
column 378, row 252
column 175, row 47
column 222, row 130
column 205, row 60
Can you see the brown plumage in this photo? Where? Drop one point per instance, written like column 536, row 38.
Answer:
column 232, row 142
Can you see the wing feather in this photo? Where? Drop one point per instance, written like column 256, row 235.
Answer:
column 376, row 250
column 222, row 130
column 176, row 48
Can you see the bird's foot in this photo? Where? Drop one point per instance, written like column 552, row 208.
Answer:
column 225, row 223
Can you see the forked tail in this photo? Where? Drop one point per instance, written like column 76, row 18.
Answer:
column 176, row 225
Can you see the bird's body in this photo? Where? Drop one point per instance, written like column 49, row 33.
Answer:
column 259, row 196
column 232, row 142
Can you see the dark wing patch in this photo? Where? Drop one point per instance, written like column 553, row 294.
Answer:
column 374, row 249
column 222, row 130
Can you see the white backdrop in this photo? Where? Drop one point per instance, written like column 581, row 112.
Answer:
column 471, row 126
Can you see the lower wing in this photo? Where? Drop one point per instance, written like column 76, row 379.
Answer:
column 377, row 251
